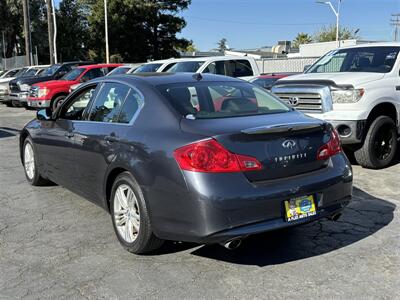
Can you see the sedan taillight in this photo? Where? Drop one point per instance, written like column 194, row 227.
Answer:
column 331, row 148
column 210, row 156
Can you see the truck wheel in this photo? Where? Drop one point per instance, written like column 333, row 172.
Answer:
column 380, row 144
column 57, row 102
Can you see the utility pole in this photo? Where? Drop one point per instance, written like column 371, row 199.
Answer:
column 27, row 33
column 4, row 49
column 395, row 22
column 49, row 4
column 106, row 32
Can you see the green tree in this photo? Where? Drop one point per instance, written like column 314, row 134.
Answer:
column 11, row 24
column 72, row 27
column 138, row 30
column 222, row 45
column 301, row 38
column 39, row 33
column 328, row 34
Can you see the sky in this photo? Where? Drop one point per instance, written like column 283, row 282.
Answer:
column 255, row 23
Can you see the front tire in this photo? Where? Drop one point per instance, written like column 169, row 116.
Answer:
column 31, row 169
column 130, row 217
column 57, row 102
column 380, row 144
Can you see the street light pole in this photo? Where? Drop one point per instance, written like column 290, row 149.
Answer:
column 55, row 33
column 337, row 14
column 106, row 32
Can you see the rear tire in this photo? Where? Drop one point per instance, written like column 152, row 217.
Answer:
column 32, row 172
column 380, row 144
column 130, row 217
column 8, row 104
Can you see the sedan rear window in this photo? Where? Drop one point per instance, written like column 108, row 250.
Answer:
column 204, row 100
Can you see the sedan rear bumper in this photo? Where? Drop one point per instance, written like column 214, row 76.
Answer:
column 221, row 207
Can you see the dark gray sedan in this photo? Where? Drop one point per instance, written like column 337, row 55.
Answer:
column 188, row 157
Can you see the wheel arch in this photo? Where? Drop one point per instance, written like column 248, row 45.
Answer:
column 109, row 179
column 58, row 94
column 23, row 135
column 383, row 109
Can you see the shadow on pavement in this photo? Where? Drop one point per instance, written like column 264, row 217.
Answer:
column 364, row 216
column 5, row 134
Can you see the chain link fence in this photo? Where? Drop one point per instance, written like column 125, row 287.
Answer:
column 15, row 62
column 283, row 65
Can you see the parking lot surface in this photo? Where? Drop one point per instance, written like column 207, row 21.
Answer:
column 54, row 244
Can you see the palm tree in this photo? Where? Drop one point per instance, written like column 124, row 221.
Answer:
column 301, row 38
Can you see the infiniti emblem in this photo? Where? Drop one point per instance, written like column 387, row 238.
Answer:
column 288, row 144
column 293, row 101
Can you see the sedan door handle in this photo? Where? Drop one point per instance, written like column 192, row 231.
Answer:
column 69, row 134
column 111, row 138
column 397, row 87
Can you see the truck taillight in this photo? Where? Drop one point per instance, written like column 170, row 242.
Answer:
column 331, row 148
column 210, row 156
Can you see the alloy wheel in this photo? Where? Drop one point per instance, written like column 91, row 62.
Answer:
column 126, row 213
column 29, row 161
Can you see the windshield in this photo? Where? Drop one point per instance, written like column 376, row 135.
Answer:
column 365, row 59
column 148, row 68
column 119, row 71
column 206, row 100
column 50, row 70
column 21, row 72
column 186, row 66
column 31, row 72
column 73, row 74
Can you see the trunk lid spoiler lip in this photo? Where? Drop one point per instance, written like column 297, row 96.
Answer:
column 284, row 127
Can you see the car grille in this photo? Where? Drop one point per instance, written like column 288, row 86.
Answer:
column 305, row 102
column 14, row 87
column 34, row 91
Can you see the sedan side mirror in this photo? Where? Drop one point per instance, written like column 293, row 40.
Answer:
column 45, row 114
column 306, row 67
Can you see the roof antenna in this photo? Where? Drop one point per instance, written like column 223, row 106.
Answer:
column 197, row 76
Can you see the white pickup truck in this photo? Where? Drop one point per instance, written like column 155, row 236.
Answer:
column 234, row 66
column 356, row 89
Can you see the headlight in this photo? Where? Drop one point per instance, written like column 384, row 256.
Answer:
column 43, row 92
column 347, row 96
column 24, row 87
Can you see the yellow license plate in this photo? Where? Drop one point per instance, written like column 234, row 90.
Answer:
column 299, row 208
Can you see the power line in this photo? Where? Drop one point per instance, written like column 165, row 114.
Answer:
column 395, row 22
column 252, row 23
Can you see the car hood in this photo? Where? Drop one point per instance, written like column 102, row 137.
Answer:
column 33, row 79
column 354, row 78
column 55, row 83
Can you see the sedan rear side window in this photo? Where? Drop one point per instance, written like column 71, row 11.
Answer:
column 108, row 103
column 221, row 100
column 133, row 102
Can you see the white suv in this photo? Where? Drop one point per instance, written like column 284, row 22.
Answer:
column 357, row 89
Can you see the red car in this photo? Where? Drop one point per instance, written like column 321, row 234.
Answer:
column 266, row 81
column 52, row 93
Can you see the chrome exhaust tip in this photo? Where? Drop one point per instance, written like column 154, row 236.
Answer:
column 232, row 244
